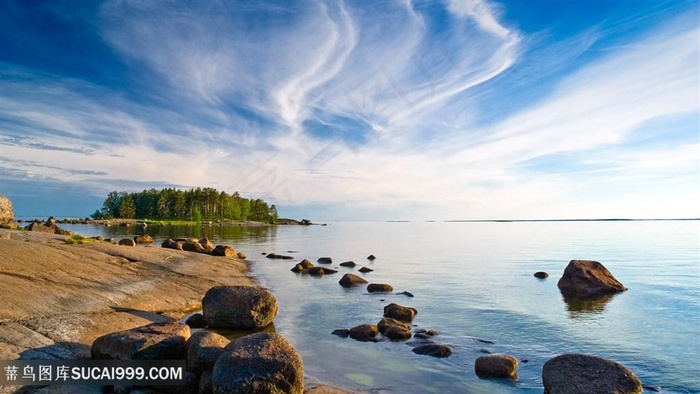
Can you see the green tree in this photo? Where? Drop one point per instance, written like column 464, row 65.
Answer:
column 127, row 209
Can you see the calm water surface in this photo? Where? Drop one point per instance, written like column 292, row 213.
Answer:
column 473, row 282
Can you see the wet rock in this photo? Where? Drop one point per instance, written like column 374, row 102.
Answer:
column 371, row 257
column 365, row 270
column 171, row 244
column 541, row 275
column 350, row 264
column 7, row 215
column 259, row 363
column 379, row 288
column 433, row 350
column 364, row 332
column 241, row 255
column 143, row 239
column 156, row 341
column 394, row 329
column 239, row 307
column 407, row 294
column 401, row 313
column 306, row 264
column 582, row 374
column 316, row 271
column 341, row 332
column 588, row 279
column 496, row 366
column 196, row 321
column 203, row 348
column 351, row 280
column 324, row 260
column 127, row 242
column 297, row 268
column 224, row 251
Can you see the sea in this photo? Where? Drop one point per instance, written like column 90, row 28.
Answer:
column 473, row 283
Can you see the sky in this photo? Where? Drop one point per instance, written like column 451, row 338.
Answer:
column 356, row 110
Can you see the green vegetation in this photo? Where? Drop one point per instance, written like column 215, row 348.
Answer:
column 185, row 205
column 79, row 239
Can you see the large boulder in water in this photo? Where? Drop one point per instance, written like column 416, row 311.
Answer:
column 7, row 215
column 584, row 374
column 351, row 280
column 400, row 313
column 259, row 363
column 157, row 341
column 588, row 279
column 239, row 307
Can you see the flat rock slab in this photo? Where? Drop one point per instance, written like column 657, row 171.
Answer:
column 157, row 341
column 584, row 374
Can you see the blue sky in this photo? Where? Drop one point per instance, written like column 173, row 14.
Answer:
column 399, row 110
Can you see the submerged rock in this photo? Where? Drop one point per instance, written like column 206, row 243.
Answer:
column 541, row 275
column 341, row 332
column 276, row 256
column 365, row 270
column 496, row 366
column 583, row 374
column 394, row 329
column 350, row 264
column 379, row 288
column 156, row 341
column 239, row 307
column 588, row 279
column 371, row 257
column 433, row 350
column 259, row 363
column 324, row 260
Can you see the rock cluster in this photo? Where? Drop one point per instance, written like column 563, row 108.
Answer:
column 202, row 245
column 49, row 226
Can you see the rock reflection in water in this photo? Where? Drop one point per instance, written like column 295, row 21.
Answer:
column 578, row 307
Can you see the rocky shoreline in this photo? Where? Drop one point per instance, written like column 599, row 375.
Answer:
column 59, row 297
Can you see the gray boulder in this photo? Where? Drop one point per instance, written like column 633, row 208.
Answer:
column 588, row 279
column 496, row 366
column 259, row 363
column 203, row 348
column 156, row 341
column 239, row 307
column 584, row 374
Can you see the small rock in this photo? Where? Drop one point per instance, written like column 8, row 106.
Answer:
column 394, row 329
column 171, row 244
column 306, row 264
column 379, row 288
column 371, row 257
column 350, row 264
column 496, row 366
column 401, row 313
column 278, row 256
column 241, row 255
column 433, row 350
column 365, row 270
column 143, row 239
column 364, row 332
column 324, row 260
column 341, row 332
column 541, row 275
column 193, row 245
column 224, row 251
column 297, row 268
column 407, row 294
column 127, row 242
column 196, row 321
column 206, row 244
column 582, row 374
column 350, row 280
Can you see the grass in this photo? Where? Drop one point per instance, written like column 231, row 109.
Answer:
column 79, row 239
